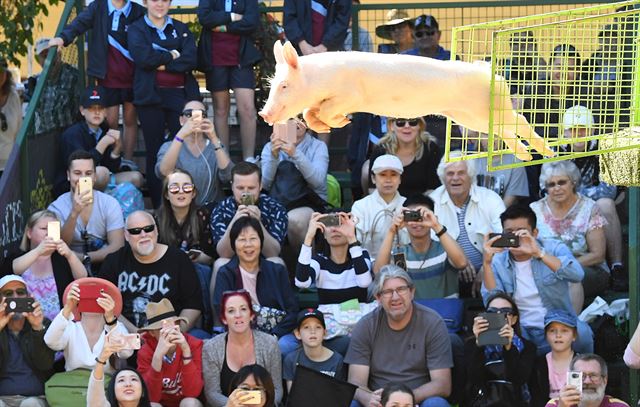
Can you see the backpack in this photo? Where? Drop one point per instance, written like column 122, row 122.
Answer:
column 69, row 388
column 334, row 192
column 128, row 196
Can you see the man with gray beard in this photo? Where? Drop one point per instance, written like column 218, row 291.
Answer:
column 594, row 382
column 25, row 360
column 147, row 271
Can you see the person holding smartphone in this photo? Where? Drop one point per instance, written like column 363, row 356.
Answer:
column 250, row 381
column 46, row 265
column 25, row 360
column 497, row 375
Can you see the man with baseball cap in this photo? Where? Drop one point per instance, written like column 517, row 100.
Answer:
column 375, row 212
column 92, row 134
column 577, row 125
column 426, row 35
column 170, row 361
column 25, row 360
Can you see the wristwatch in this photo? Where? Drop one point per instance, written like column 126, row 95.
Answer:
column 354, row 244
column 542, row 254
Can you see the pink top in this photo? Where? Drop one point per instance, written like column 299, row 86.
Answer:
column 631, row 358
column 249, row 283
column 557, row 378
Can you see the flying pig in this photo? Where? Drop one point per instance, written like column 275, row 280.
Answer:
column 327, row 87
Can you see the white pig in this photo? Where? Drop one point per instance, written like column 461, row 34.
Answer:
column 330, row 85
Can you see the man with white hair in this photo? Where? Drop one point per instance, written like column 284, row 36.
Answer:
column 468, row 212
column 147, row 271
column 594, row 383
column 25, row 360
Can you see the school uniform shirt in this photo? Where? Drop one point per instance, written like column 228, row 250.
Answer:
column 298, row 22
column 172, row 276
column 109, row 58
column 176, row 380
column 151, row 48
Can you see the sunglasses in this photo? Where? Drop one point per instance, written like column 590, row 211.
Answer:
column 175, row 188
column 146, row 229
column 403, row 122
column 189, row 112
column 506, row 310
column 4, row 125
column 19, row 292
column 560, row 183
column 420, row 34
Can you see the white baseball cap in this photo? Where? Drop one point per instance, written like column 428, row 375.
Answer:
column 387, row 162
column 577, row 116
column 12, row 277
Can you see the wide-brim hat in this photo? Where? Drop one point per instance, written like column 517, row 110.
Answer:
column 158, row 312
column 394, row 17
column 94, row 285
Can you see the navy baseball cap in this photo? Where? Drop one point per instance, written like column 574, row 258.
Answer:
column 94, row 95
column 426, row 21
column 310, row 313
column 561, row 316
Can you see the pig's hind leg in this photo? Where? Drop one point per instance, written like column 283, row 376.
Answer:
column 313, row 121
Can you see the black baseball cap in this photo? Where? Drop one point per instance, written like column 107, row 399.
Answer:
column 310, row 313
column 94, row 95
column 426, row 21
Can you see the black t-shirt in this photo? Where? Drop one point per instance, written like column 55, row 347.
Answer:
column 172, row 276
column 420, row 175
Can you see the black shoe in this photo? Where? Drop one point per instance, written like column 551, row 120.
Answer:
column 619, row 278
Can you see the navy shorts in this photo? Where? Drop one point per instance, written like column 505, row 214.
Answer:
column 230, row 77
column 117, row 96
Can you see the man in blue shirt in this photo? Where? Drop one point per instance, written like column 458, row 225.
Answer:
column 536, row 274
column 426, row 35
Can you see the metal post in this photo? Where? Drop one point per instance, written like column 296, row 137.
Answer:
column 634, row 273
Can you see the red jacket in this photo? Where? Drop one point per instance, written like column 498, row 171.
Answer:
column 175, row 381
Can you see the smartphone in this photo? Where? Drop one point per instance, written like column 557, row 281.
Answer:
column 400, row 260
column 53, row 230
column 19, row 304
column 412, row 216
column 86, row 184
column 124, row 341
column 330, row 220
column 505, row 240
column 491, row 335
column 246, row 199
column 89, row 293
column 196, row 114
column 575, row 379
column 285, row 131
column 255, row 397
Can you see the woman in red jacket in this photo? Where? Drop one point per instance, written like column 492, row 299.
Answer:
column 170, row 361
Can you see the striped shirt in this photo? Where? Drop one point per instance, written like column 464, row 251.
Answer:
column 432, row 274
column 336, row 283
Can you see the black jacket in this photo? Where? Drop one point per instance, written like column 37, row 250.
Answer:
column 147, row 59
column 211, row 14
column 95, row 17
column 298, row 26
column 36, row 353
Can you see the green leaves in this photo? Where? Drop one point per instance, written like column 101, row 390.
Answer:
column 17, row 20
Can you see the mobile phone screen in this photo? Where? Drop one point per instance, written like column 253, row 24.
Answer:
column 53, row 230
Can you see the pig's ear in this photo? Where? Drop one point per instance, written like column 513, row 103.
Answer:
column 290, row 55
column 277, row 52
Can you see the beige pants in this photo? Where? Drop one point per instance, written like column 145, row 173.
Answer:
column 22, row 401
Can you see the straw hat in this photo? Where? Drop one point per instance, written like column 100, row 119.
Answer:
column 158, row 312
column 394, row 17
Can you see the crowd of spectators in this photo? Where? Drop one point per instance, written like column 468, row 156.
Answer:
column 200, row 286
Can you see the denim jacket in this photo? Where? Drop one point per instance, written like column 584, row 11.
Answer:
column 553, row 287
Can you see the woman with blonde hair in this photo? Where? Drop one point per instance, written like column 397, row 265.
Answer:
column 45, row 264
column 416, row 148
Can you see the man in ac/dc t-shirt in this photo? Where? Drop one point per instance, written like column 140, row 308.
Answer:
column 146, row 271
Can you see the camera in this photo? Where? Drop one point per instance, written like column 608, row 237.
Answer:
column 412, row 216
column 505, row 240
column 400, row 260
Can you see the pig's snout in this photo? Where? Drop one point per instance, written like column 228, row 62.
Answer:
column 265, row 116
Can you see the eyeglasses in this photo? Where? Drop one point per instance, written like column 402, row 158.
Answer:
column 505, row 310
column 4, row 125
column 388, row 293
column 594, row 377
column 18, row 292
column 420, row 34
column 175, row 188
column 146, row 229
column 189, row 112
column 560, row 183
column 403, row 122
column 250, row 388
